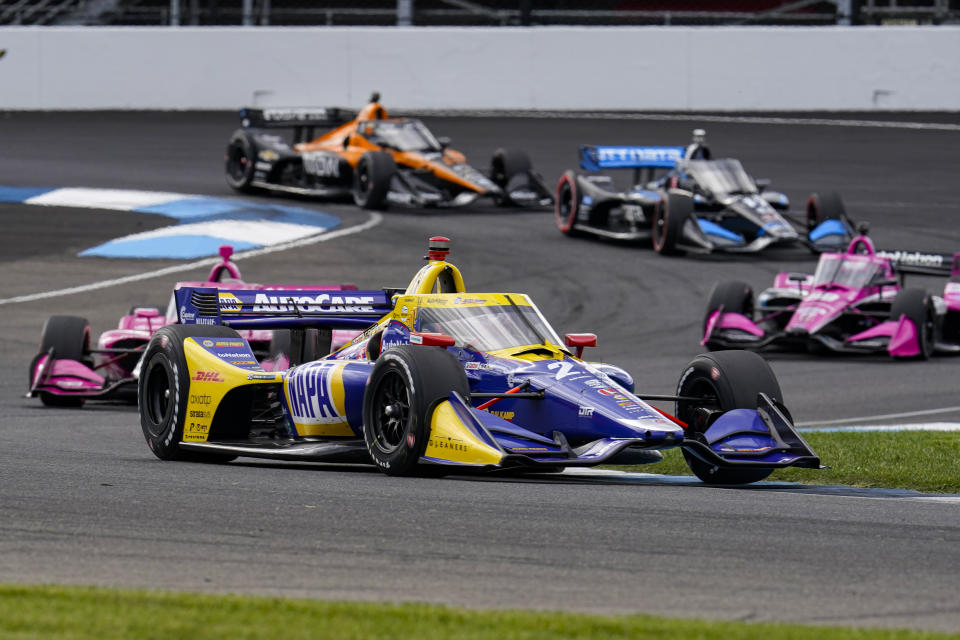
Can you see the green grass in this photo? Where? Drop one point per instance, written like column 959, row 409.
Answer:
column 926, row 461
column 80, row 613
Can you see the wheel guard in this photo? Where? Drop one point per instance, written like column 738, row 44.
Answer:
column 464, row 436
column 763, row 437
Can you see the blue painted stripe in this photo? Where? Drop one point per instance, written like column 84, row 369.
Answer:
column 180, row 247
column 713, row 229
column 21, row 194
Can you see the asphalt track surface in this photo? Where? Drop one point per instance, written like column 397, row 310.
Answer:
column 84, row 501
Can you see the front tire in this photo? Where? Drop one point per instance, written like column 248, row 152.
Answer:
column 405, row 386
column 917, row 306
column 723, row 380
column 163, row 387
column 69, row 337
column 371, row 179
column 673, row 210
column 734, row 296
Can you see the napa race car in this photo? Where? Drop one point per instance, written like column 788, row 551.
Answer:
column 67, row 371
column 375, row 159
column 855, row 302
column 444, row 380
column 690, row 205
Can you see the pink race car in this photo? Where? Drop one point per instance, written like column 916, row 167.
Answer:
column 67, row 371
column 855, row 303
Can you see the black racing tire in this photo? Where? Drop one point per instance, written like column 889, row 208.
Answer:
column 734, row 296
column 507, row 163
column 406, row 384
column 566, row 206
column 240, row 160
column 163, row 387
column 671, row 212
column 821, row 206
column 724, row 380
column 69, row 336
column 371, row 179
column 917, row 306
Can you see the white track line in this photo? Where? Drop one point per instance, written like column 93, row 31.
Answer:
column 375, row 219
column 820, row 122
column 870, row 419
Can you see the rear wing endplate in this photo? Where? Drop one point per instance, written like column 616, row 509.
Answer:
column 595, row 158
column 281, row 308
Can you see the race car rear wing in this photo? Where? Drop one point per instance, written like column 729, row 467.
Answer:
column 596, row 158
column 922, row 263
column 289, row 308
column 303, row 120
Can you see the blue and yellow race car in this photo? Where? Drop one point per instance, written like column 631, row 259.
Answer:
column 442, row 380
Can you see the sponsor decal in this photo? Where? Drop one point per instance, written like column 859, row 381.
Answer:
column 207, row 376
column 459, row 300
column 321, row 164
column 585, row 412
column 200, row 414
column 200, row 399
column 295, row 114
column 262, row 376
column 477, row 366
column 714, row 373
column 206, row 321
column 311, row 395
column 506, row 415
column 638, row 154
column 208, row 343
column 563, row 369
column 913, row 258
column 164, row 340
column 453, row 444
column 186, row 316
column 226, row 355
column 323, row 302
column 230, row 302
column 268, row 155
column 231, row 343
column 416, row 339
column 242, row 362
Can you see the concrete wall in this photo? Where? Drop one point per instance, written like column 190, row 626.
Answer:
column 643, row 68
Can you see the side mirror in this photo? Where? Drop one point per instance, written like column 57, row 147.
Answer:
column 796, row 277
column 580, row 340
column 432, row 339
column 762, row 183
column 444, row 141
column 885, row 282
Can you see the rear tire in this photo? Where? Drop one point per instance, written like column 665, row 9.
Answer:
column 240, row 160
column 567, row 204
column 371, row 179
column 507, row 163
column 69, row 336
column 668, row 218
column 917, row 305
column 724, row 380
column 406, row 384
column 734, row 296
column 163, row 387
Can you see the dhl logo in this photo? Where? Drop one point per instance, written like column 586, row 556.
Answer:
column 207, row 376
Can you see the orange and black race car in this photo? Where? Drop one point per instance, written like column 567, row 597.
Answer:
column 377, row 160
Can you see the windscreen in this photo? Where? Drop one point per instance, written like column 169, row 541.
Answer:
column 721, row 177
column 488, row 327
column 845, row 271
column 402, row 135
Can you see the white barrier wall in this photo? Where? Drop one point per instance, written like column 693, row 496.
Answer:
column 642, row 68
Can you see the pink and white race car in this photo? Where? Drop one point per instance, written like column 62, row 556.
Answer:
column 855, row 302
column 66, row 371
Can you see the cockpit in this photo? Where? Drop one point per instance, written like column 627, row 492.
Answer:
column 481, row 322
column 400, row 135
